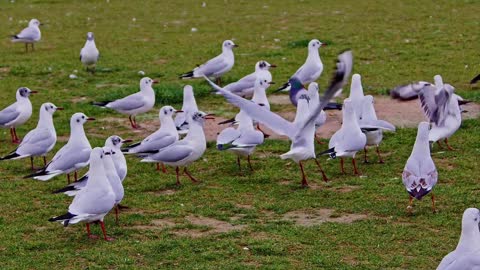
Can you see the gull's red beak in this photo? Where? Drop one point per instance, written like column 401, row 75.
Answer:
column 127, row 141
column 154, row 81
column 271, row 82
column 210, row 116
column 177, row 111
column 60, row 109
column 323, row 45
column 33, row 92
column 273, row 66
column 90, row 119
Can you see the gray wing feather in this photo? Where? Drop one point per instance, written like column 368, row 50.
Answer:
column 434, row 104
column 212, row 66
column 228, row 135
column 28, row 33
column 173, row 154
column 67, row 159
column 8, row 114
column 128, row 103
column 250, row 138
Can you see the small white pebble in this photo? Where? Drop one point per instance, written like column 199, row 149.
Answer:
column 134, row 19
column 141, row 73
column 363, row 176
column 108, row 1
column 182, row 205
column 10, row 18
column 49, row 68
column 194, row 29
column 276, row 40
column 75, row 71
column 466, row 66
column 12, row 1
column 407, row 40
column 204, row 4
column 284, row 58
column 246, row 248
column 72, row 76
column 88, row 18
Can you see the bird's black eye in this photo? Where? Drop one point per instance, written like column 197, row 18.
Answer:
column 51, row 107
column 165, row 112
column 476, row 219
column 83, row 117
column 171, row 110
column 78, row 120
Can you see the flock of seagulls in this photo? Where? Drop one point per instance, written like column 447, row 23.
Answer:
column 180, row 139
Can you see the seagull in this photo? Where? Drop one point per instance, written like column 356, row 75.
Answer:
column 113, row 178
column 112, row 143
column 420, row 174
column 314, row 100
column 410, row 91
column 356, row 95
column 89, row 53
column 311, row 70
column 244, row 87
column 466, row 254
column 216, row 66
column 242, row 140
column 40, row 140
column 349, row 139
column 301, row 130
column 94, row 201
column 372, row 127
column 189, row 107
column 186, row 151
column 17, row 113
column 441, row 108
column 29, row 35
column 72, row 156
column 165, row 136
column 134, row 104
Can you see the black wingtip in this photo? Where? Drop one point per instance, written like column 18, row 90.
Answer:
column 330, row 152
column 284, row 86
column 186, row 75
column 333, row 106
column 100, row 103
column 475, row 80
column 37, row 173
column 66, row 217
column 227, row 121
column 63, row 190
column 10, row 156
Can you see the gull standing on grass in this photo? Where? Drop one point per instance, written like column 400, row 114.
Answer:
column 72, row 156
column 349, row 139
column 467, row 253
column 311, row 70
column 94, row 201
column 113, row 178
column 245, row 86
column 40, row 140
column 29, row 35
column 216, row 66
column 134, row 104
column 242, row 140
column 89, row 54
column 301, row 130
column 18, row 113
column 442, row 110
column 372, row 127
column 188, row 108
column 186, row 151
column 165, row 136
column 420, row 174
column 314, row 102
column 356, row 95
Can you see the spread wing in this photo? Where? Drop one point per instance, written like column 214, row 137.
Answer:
column 258, row 113
column 434, row 103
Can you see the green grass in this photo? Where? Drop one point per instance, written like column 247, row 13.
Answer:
column 393, row 43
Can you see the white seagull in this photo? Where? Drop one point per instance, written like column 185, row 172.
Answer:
column 314, row 101
column 29, row 35
column 372, row 127
column 17, row 113
column 311, row 70
column 245, row 86
column 165, row 136
column 94, row 201
column 301, row 130
column 420, row 174
column 467, row 253
column 216, row 66
column 89, row 54
column 186, row 151
column 134, row 104
column 356, row 95
column 242, row 140
column 188, row 108
column 40, row 140
column 72, row 156
column 113, row 178
column 442, row 110
column 349, row 139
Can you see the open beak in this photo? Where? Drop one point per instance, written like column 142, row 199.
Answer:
column 178, row 111
column 273, row 66
column 210, row 116
column 90, row 119
column 154, row 81
column 59, row 109
column 127, row 141
column 33, row 92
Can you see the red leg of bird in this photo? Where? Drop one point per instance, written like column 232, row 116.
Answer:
column 68, row 178
column 164, row 169
column 238, row 163
column 11, row 135
column 448, row 146
column 131, row 122
column 304, row 177
column 158, row 167
column 189, row 175
column 341, row 165
column 178, row 176
column 365, row 160
column 116, row 214
column 218, row 81
column 105, row 232
column 26, row 47
column 433, row 203
column 318, row 139
column 355, row 171
column 265, row 135
column 75, row 176
column 31, row 163
column 135, row 123
column 90, row 235
column 321, row 170
column 380, row 159
column 33, row 47
column 439, row 145
column 15, row 137
column 410, row 205
column 44, row 161
column 249, row 163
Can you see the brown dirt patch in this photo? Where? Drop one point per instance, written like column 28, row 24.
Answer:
column 345, row 189
column 78, row 99
column 157, row 224
column 160, row 61
column 165, row 192
column 4, row 69
column 318, row 216
column 244, row 206
column 214, row 226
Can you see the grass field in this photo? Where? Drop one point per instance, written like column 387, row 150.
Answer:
column 189, row 227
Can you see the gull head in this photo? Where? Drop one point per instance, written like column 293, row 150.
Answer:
column 96, row 156
column 262, row 82
column 115, row 142
column 348, row 107
column 80, row 119
column 313, row 87
column 24, row 92
column 263, row 65
column 90, row 36
column 34, row 23
column 423, row 131
column 315, row 44
column 438, row 80
column 449, row 88
column 167, row 111
column 228, row 44
column 50, row 108
column 200, row 117
column 471, row 219
column 147, row 83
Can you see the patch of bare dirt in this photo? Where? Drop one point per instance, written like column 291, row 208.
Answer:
column 345, row 189
column 165, row 192
column 160, row 61
column 318, row 216
column 78, row 99
column 157, row 224
column 245, row 206
column 4, row 69
column 214, row 226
